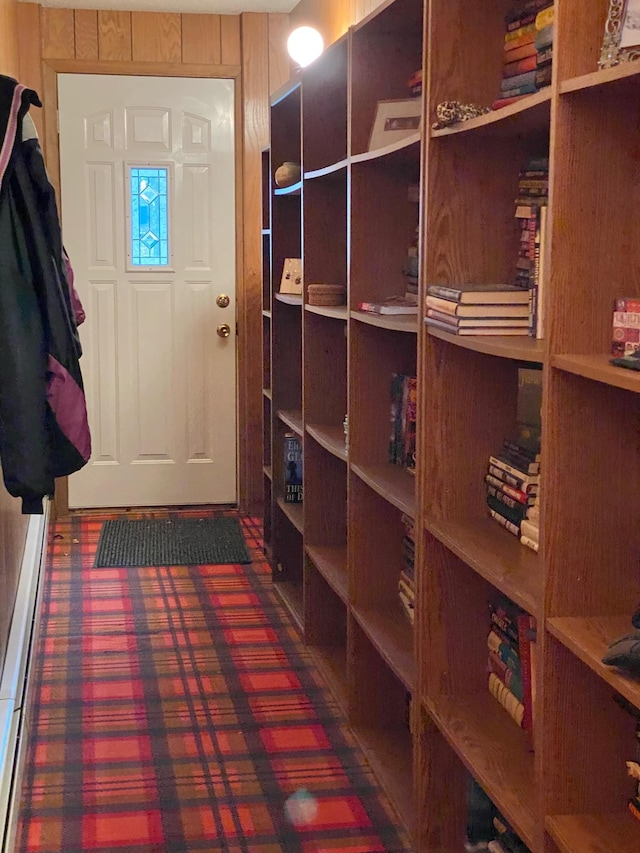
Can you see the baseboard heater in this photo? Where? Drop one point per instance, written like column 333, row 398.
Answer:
column 15, row 677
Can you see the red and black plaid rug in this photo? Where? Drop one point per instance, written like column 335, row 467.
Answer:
column 175, row 709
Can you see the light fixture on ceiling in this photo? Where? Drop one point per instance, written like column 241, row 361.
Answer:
column 304, row 45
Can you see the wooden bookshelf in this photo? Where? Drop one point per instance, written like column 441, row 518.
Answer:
column 337, row 556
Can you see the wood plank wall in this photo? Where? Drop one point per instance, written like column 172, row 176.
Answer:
column 251, row 45
column 9, row 38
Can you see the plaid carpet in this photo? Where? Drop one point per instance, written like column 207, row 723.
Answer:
column 175, row 709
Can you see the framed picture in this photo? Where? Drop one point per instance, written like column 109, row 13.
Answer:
column 291, row 281
column 621, row 41
column 395, row 120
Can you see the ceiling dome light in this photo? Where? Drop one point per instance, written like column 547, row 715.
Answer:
column 304, row 45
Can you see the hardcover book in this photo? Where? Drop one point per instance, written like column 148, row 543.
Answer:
column 292, row 468
column 481, row 294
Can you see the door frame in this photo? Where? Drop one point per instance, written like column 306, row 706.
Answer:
column 245, row 352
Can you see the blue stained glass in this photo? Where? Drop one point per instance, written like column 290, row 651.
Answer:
column 149, row 217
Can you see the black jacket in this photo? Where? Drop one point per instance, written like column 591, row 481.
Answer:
column 43, row 421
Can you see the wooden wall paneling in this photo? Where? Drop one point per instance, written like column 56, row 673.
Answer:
column 201, row 39
column 51, row 143
column 325, row 497
column 9, row 53
column 232, row 53
column 58, row 33
column 30, row 57
column 325, row 371
column 279, row 62
column 579, row 36
column 156, row 37
column 255, row 135
column 86, row 31
column 114, row 35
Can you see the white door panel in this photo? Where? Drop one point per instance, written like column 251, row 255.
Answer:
column 160, row 384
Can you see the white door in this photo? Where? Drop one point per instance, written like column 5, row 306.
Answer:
column 148, row 219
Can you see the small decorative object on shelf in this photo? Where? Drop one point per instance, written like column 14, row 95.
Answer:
column 633, row 766
column 291, row 281
column 402, row 441
column 394, row 121
column 452, row 112
column 621, row 41
column 287, row 174
column 326, row 294
column 292, row 468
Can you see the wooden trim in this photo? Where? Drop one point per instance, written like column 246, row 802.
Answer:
column 201, row 39
column 142, row 69
column 114, row 35
column 86, row 29
column 255, row 132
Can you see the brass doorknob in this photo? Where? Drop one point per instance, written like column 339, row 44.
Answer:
column 224, row 330
column 222, row 300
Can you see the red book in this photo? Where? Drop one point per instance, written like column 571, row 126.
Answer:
column 519, row 66
column 526, row 641
column 519, row 53
column 504, row 102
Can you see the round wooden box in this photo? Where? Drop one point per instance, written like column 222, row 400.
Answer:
column 326, row 294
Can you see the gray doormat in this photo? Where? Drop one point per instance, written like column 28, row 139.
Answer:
column 129, row 543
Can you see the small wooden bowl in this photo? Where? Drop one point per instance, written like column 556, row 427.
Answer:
column 326, row 294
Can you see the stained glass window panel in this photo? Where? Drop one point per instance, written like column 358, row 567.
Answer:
column 149, row 216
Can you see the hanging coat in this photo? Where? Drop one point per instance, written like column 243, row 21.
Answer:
column 44, row 431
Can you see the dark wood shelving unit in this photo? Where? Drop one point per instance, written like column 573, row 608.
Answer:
column 336, row 558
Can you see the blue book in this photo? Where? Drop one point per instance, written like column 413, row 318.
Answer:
column 519, row 80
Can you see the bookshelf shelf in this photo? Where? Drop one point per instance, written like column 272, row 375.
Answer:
column 403, row 150
column 332, row 662
column 626, row 73
column 530, row 114
column 337, row 312
column 289, row 299
column 523, row 349
column 293, row 419
column 392, row 483
column 331, row 562
column 266, row 232
column 267, row 471
column 294, row 189
column 294, row 513
column 267, row 313
column 392, row 635
column 592, row 833
column 588, row 639
column 597, row 367
column 266, row 392
column 389, row 753
column 327, row 170
column 292, row 596
column 496, row 555
column 494, row 750
column 397, row 322
column 329, row 437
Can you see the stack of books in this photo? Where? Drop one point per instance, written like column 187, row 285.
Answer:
column 406, row 582
column 530, row 526
column 486, row 827
column 531, row 213
column 528, row 49
column 512, row 484
column 512, row 661
column 402, row 441
column 478, row 309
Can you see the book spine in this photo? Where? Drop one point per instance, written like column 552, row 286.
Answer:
column 515, row 516
column 293, row 469
column 521, row 497
column 449, row 319
column 529, row 542
column 500, row 496
column 523, row 463
column 518, row 80
column 522, row 484
column 525, row 89
column 521, row 31
column 522, row 477
column 520, row 52
column 500, row 644
column 442, row 306
column 443, row 292
column 520, row 66
column 528, row 528
column 509, row 677
column 508, row 525
column 505, row 615
column 506, row 698
column 524, row 648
